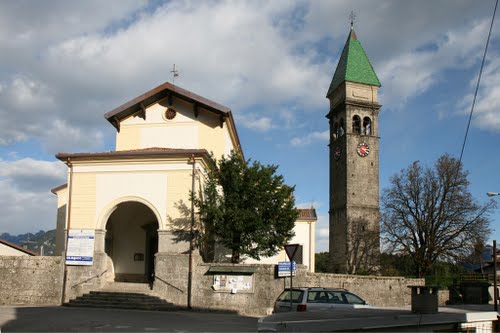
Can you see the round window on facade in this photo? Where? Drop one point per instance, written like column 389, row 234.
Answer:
column 170, row 113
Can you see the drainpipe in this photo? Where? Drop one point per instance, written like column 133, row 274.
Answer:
column 191, row 238
column 70, row 188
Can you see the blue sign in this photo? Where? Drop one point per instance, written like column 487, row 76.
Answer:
column 284, row 268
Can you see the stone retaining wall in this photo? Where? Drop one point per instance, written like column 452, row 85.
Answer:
column 378, row 291
column 38, row 280
column 30, row 280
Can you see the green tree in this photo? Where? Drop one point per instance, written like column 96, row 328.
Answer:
column 247, row 207
column 430, row 215
column 322, row 262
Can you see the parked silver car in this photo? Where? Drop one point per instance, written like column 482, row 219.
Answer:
column 317, row 299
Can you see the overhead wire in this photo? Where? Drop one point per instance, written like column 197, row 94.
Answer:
column 477, row 86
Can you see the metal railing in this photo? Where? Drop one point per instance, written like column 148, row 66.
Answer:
column 90, row 278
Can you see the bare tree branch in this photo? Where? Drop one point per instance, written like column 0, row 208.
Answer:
column 429, row 214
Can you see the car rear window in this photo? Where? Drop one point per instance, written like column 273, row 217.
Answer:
column 296, row 296
column 353, row 299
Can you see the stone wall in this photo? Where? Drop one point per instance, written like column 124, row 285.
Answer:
column 30, row 280
column 83, row 279
column 171, row 271
column 378, row 291
column 38, row 280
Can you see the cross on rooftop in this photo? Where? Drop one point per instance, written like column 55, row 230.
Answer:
column 352, row 16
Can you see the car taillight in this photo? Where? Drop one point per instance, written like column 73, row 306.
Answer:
column 301, row 307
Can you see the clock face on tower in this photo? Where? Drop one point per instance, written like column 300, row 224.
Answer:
column 363, row 149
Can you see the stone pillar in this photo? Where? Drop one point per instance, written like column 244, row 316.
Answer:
column 99, row 241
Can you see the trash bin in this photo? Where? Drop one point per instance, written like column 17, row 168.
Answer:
column 424, row 299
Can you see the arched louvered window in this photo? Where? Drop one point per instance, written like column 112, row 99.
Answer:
column 356, row 125
column 335, row 131
column 367, row 126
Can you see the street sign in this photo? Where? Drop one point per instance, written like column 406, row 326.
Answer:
column 284, row 268
column 290, row 250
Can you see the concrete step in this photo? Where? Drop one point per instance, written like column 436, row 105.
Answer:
column 122, row 300
column 100, row 293
column 149, row 307
column 143, row 288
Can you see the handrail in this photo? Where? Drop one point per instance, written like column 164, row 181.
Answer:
column 169, row 284
column 90, row 278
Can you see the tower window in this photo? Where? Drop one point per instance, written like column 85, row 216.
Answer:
column 356, row 125
column 367, row 126
column 341, row 127
column 335, row 132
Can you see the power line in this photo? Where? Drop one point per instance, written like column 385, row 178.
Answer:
column 477, row 84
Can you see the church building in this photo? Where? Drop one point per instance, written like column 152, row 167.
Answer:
column 123, row 210
column 354, row 162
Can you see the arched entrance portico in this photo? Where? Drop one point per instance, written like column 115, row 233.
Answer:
column 132, row 241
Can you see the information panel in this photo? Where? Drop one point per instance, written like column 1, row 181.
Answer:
column 233, row 283
column 80, row 247
column 284, row 268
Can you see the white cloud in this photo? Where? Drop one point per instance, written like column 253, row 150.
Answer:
column 322, row 233
column 25, row 211
column 487, row 108
column 32, row 175
column 27, row 204
column 64, row 64
column 82, row 60
column 255, row 122
column 310, row 138
column 412, row 73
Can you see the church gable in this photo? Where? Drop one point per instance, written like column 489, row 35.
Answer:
column 171, row 117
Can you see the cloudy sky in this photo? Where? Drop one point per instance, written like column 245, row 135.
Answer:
column 66, row 63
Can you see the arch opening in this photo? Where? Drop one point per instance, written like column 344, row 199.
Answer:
column 356, row 125
column 132, row 241
column 367, row 126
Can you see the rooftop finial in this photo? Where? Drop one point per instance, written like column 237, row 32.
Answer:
column 175, row 73
column 352, row 16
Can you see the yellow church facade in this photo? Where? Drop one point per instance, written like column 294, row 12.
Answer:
column 134, row 202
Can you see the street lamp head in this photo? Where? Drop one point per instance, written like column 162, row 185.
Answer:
column 492, row 194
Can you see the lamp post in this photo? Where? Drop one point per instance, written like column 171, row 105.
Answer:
column 495, row 289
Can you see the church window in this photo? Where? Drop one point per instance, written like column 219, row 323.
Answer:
column 170, row 113
column 298, row 257
column 367, row 126
column 356, row 125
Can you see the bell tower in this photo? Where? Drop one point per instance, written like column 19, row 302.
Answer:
column 354, row 163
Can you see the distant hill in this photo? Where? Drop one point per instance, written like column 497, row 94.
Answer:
column 34, row 242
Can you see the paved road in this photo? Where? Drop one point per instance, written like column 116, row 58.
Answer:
column 62, row 319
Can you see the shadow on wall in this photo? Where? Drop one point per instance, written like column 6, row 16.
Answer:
column 202, row 237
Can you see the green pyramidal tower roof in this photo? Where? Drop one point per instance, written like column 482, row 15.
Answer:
column 353, row 65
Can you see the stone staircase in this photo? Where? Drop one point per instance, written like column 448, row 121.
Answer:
column 123, row 295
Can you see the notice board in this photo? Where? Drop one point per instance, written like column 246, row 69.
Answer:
column 80, row 245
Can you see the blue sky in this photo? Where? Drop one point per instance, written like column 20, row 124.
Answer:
column 64, row 64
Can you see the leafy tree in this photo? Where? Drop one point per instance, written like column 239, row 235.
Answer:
column 396, row 265
column 247, row 207
column 430, row 215
column 322, row 262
